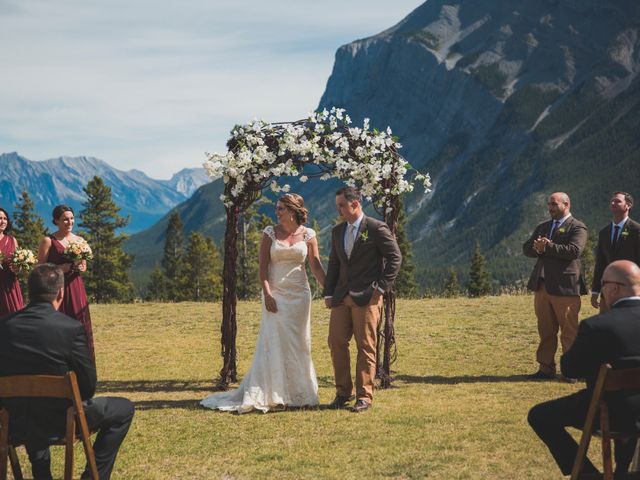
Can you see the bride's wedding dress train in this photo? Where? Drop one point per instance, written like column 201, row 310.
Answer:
column 282, row 372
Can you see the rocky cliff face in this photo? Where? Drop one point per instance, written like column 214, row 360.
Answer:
column 502, row 102
column 61, row 180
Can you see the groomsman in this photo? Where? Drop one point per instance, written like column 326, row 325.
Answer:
column 620, row 240
column 557, row 281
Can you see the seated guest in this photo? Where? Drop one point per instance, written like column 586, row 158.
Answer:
column 39, row 340
column 612, row 337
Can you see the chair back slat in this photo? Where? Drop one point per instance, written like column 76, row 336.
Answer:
column 35, row 386
column 624, row 379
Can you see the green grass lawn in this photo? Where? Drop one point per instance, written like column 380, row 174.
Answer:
column 457, row 410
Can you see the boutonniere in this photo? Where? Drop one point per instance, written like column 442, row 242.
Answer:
column 364, row 236
column 562, row 230
column 625, row 233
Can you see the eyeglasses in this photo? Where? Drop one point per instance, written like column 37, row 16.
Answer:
column 604, row 282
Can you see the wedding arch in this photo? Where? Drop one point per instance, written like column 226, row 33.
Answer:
column 325, row 143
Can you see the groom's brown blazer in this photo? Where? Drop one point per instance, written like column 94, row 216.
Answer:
column 375, row 262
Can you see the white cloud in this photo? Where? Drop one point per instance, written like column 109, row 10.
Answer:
column 147, row 86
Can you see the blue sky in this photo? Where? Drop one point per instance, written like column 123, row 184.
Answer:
column 150, row 86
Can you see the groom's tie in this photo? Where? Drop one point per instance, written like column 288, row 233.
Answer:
column 349, row 240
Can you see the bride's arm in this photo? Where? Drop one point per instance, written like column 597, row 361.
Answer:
column 314, row 261
column 264, row 259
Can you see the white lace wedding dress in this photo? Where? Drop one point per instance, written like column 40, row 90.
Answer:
column 282, row 372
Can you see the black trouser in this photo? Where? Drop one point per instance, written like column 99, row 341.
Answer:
column 550, row 419
column 111, row 417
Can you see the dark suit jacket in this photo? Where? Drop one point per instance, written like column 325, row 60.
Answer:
column 38, row 340
column 375, row 261
column 561, row 259
column 612, row 337
column 627, row 248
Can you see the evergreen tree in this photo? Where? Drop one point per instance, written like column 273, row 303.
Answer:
column 172, row 262
column 588, row 257
column 250, row 227
column 106, row 279
column 406, row 285
column 202, row 279
column 157, row 289
column 28, row 226
column 479, row 283
column 451, row 287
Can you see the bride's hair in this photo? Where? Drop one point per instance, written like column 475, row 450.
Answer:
column 295, row 203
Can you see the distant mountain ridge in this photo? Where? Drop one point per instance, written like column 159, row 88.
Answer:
column 502, row 102
column 61, row 180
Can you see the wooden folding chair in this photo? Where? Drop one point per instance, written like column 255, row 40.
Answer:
column 52, row 387
column 609, row 380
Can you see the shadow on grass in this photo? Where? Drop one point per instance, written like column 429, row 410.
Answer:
column 149, row 386
column 440, row 380
column 195, row 405
column 166, row 404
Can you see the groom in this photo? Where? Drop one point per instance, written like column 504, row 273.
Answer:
column 363, row 264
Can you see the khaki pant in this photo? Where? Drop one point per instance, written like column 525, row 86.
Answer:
column 554, row 312
column 349, row 320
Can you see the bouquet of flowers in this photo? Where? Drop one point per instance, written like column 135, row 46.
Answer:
column 2, row 259
column 23, row 260
column 77, row 251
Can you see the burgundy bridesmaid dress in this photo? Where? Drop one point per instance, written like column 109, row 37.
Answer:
column 75, row 302
column 10, row 293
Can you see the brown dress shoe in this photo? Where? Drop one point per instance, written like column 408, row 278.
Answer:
column 360, row 406
column 340, row 401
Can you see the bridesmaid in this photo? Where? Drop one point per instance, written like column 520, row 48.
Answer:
column 51, row 250
column 10, row 293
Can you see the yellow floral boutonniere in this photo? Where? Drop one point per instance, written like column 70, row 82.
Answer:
column 364, row 236
column 625, row 233
column 562, row 230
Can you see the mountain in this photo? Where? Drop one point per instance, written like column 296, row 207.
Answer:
column 503, row 102
column 61, row 180
column 187, row 181
column 203, row 212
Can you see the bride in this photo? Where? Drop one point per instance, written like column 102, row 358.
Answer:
column 282, row 373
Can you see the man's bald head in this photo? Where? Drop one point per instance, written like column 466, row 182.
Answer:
column 622, row 279
column 559, row 205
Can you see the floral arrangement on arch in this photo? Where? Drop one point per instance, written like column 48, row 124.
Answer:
column 363, row 157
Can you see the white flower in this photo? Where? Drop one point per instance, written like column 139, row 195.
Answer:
column 358, row 156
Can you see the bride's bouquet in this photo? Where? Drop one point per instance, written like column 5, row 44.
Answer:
column 23, row 260
column 77, row 251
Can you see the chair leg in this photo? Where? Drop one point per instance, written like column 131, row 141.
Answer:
column 636, row 461
column 15, row 463
column 4, row 443
column 607, row 460
column 85, row 435
column 68, row 449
